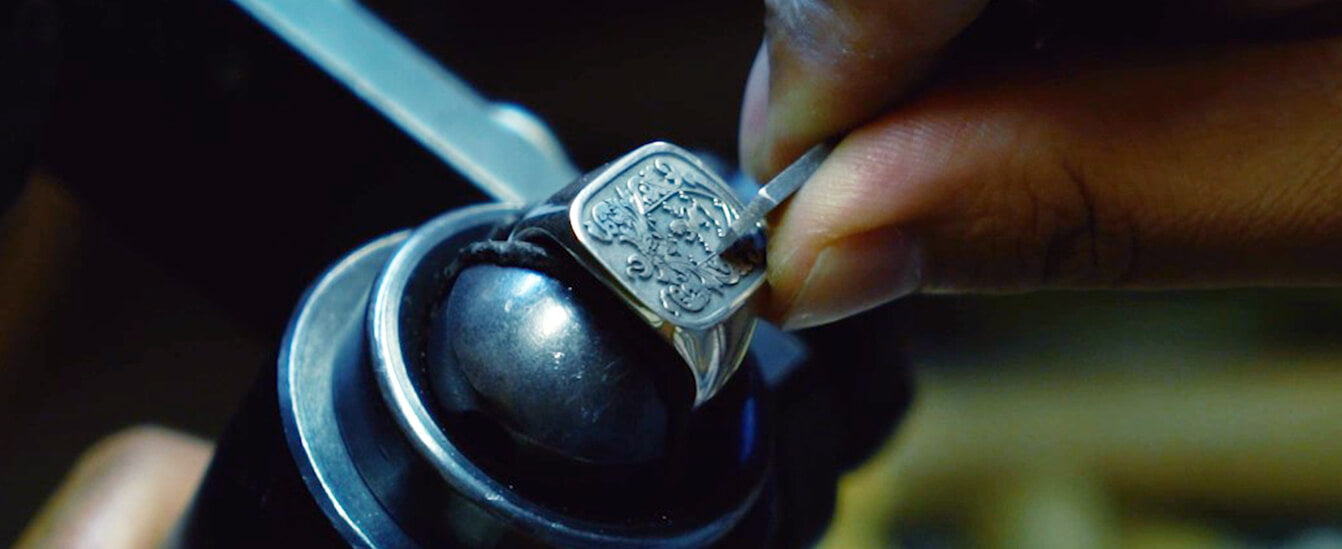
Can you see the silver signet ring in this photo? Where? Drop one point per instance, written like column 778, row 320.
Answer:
column 646, row 225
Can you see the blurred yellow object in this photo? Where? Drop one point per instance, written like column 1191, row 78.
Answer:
column 1111, row 459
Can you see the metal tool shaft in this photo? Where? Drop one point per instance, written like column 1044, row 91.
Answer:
column 774, row 193
column 413, row 91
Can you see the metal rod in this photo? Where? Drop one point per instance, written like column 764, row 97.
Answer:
column 417, row 94
column 774, row 193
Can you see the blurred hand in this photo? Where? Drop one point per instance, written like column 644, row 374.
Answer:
column 129, row 490
column 1218, row 164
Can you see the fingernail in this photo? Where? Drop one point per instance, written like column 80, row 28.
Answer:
column 853, row 275
column 754, row 110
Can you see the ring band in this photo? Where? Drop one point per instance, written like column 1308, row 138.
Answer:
column 646, row 225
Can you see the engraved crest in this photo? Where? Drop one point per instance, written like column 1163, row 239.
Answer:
column 658, row 223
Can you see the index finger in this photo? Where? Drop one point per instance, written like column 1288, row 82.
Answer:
column 127, row 491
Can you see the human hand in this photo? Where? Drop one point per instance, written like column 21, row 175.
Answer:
column 129, row 490
column 1173, row 163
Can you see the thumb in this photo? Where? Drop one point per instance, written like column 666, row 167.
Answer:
column 1213, row 168
column 830, row 64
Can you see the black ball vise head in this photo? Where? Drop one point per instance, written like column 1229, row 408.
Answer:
column 447, row 386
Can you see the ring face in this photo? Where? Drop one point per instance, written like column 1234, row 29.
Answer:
column 652, row 220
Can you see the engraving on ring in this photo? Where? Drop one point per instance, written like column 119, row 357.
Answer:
column 659, row 222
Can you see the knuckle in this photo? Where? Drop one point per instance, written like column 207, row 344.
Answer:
column 1051, row 228
column 1088, row 240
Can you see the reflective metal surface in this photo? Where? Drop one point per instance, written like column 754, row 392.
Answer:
column 646, row 226
column 364, row 414
column 673, row 275
column 325, row 337
column 774, row 193
column 401, row 304
column 543, row 358
column 502, row 149
column 386, row 480
column 364, row 419
column 652, row 219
